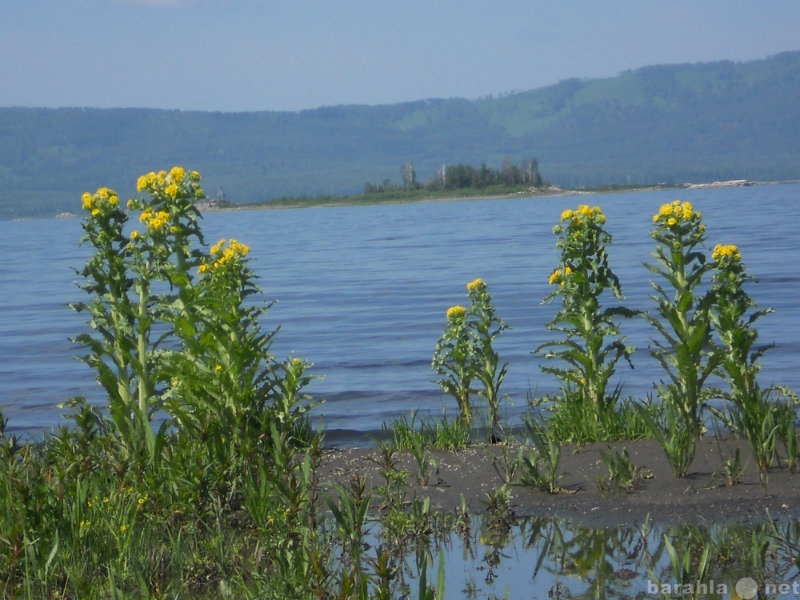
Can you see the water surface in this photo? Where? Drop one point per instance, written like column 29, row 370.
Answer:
column 362, row 291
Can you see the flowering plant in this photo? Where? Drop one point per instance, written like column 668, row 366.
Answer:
column 592, row 344
column 682, row 320
column 683, row 324
column 209, row 366
column 465, row 351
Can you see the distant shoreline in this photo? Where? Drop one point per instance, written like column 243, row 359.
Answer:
column 540, row 192
column 548, row 191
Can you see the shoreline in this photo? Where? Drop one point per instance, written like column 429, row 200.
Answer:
column 700, row 498
column 550, row 191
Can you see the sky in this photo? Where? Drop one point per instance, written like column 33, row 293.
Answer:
column 248, row 55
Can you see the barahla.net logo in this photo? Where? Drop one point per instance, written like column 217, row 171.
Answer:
column 746, row 588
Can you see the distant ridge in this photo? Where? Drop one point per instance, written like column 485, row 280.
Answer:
column 661, row 124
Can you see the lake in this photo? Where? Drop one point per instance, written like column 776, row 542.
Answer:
column 361, row 292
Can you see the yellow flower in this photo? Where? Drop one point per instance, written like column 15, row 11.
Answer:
column 134, row 234
column 171, row 190
column 559, row 275
column 456, row 312
column 474, row 285
column 726, row 250
column 218, row 369
column 154, row 221
column 123, row 528
column 567, row 215
column 676, row 211
column 176, row 174
column 145, row 181
column 217, row 247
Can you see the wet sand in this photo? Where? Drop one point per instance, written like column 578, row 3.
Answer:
column 701, row 497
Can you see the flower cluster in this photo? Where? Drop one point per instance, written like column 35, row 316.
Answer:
column 475, row 285
column 172, row 184
column 559, row 276
column 169, row 183
column 674, row 214
column 154, row 220
column 726, row 251
column 101, row 202
column 455, row 313
column 582, row 214
column 224, row 253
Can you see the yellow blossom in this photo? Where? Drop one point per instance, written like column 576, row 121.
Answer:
column 676, row 212
column 223, row 253
column 155, row 221
column 176, row 174
column 559, row 275
column 725, row 250
column 134, row 234
column 456, row 312
column 217, row 247
column 474, row 285
column 567, row 215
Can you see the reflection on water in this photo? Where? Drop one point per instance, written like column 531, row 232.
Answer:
column 553, row 558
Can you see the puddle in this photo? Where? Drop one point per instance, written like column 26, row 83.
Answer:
column 559, row 559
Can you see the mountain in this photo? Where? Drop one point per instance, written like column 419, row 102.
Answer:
column 658, row 124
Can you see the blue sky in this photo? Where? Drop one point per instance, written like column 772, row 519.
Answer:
column 244, row 55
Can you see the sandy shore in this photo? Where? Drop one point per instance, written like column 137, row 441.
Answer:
column 700, row 498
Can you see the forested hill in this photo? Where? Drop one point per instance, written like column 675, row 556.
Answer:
column 659, row 124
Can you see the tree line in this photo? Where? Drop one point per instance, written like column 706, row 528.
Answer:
column 460, row 176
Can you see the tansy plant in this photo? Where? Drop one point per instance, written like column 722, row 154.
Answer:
column 592, row 344
column 682, row 322
column 465, row 352
column 682, row 306
column 752, row 413
column 171, row 328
